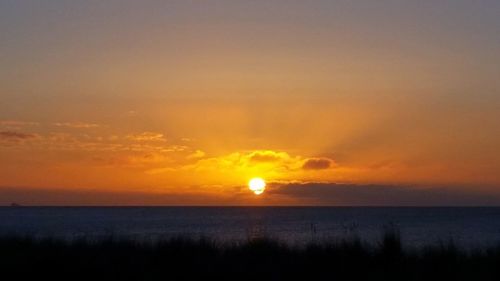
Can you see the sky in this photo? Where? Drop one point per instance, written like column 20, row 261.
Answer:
column 183, row 102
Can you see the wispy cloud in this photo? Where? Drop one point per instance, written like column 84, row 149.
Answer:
column 76, row 125
column 147, row 136
column 196, row 155
column 12, row 136
column 17, row 123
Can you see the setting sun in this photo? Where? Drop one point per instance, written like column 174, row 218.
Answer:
column 257, row 185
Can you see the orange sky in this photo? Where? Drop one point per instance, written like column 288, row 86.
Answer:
column 178, row 103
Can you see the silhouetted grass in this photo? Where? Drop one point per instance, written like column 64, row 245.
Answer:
column 24, row 258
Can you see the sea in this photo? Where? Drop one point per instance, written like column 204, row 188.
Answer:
column 470, row 227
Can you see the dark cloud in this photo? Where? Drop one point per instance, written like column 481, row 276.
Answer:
column 15, row 136
column 29, row 196
column 382, row 195
column 317, row 164
column 315, row 194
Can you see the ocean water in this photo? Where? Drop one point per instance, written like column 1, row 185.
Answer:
column 469, row 227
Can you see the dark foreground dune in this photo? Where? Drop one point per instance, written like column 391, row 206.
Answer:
column 260, row 259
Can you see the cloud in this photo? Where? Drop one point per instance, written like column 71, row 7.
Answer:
column 29, row 196
column 134, row 160
column 380, row 195
column 268, row 160
column 146, row 136
column 267, row 156
column 317, row 164
column 77, row 125
column 12, row 136
column 17, row 123
column 197, row 154
column 326, row 194
column 64, row 141
column 237, row 167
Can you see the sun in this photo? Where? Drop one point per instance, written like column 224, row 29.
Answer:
column 257, row 185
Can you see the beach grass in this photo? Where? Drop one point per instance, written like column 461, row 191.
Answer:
column 183, row 258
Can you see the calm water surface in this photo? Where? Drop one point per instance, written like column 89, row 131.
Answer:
column 471, row 227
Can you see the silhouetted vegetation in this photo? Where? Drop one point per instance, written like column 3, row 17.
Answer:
column 256, row 259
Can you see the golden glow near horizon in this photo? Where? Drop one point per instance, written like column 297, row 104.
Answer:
column 257, row 185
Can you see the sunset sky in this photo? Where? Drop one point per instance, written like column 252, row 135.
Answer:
column 183, row 102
